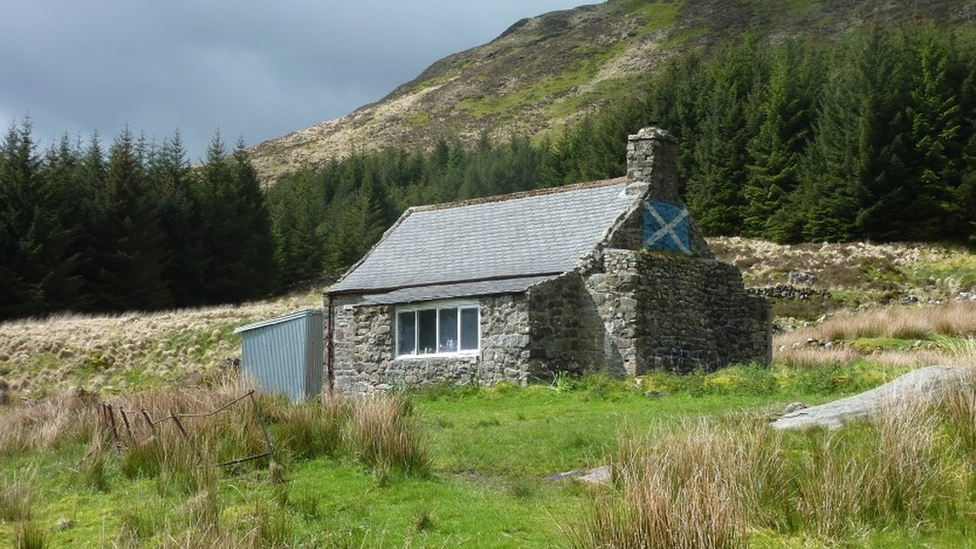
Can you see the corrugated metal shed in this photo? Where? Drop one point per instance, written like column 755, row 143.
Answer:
column 284, row 354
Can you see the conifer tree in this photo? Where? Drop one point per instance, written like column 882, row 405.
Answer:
column 729, row 117
column 38, row 248
column 236, row 231
column 178, row 212
column 297, row 207
column 934, row 116
column 775, row 152
column 255, row 258
column 128, row 254
column 852, row 165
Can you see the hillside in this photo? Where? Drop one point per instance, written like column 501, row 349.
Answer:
column 545, row 72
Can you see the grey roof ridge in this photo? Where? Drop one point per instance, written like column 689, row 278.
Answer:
column 473, row 202
column 517, row 195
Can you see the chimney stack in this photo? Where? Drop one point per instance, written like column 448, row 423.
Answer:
column 652, row 158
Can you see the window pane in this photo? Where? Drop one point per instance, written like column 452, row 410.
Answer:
column 448, row 341
column 469, row 329
column 427, row 331
column 406, row 333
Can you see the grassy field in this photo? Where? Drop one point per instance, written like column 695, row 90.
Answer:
column 693, row 461
column 468, row 467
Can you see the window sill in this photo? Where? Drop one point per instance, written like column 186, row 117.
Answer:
column 463, row 354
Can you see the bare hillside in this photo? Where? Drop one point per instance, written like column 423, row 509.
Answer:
column 547, row 71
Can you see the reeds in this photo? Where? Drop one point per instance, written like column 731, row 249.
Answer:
column 383, row 436
column 710, row 484
column 47, row 424
column 674, row 495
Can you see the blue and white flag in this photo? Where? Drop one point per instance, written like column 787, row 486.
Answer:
column 666, row 227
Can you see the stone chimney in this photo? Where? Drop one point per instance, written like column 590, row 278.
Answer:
column 652, row 158
column 652, row 167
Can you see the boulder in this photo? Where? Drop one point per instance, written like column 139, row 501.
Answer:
column 925, row 385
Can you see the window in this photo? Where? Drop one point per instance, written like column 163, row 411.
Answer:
column 447, row 328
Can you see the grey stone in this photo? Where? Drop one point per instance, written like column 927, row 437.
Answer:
column 925, row 385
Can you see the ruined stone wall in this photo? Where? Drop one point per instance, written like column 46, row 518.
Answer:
column 364, row 349
column 696, row 314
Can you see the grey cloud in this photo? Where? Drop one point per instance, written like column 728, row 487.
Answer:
column 257, row 69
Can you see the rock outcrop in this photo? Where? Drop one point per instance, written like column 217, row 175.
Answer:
column 927, row 385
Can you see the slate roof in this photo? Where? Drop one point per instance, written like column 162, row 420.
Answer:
column 496, row 245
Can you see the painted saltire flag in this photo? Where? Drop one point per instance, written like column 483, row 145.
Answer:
column 666, row 227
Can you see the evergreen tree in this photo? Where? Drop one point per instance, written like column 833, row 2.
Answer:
column 960, row 220
column 774, row 153
column 38, row 249
column 297, row 207
column 236, row 230
column 127, row 245
column 358, row 223
column 851, row 166
column 729, row 118
column 178, row 211
column 255, row 258
column 934, row 115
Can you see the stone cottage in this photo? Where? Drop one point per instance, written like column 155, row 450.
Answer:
column 610, row 275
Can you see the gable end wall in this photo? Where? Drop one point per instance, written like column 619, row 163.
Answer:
column 672, row 312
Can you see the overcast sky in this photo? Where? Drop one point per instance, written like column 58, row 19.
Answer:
column 252, row 69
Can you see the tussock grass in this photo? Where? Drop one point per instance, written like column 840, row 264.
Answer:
column 114, row 354
column 29, row 536
column 674, row 495
column 16, row 496
column 710, row 483
column 94, row 471
column 901, row 322
column 309, row 430
column 920, row 336
column 960, row 412
column 385, row 437
column 47, row 424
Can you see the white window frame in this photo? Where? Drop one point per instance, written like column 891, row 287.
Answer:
column 456, row 304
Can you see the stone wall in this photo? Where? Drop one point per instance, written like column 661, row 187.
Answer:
column 567, row 333
column 364, row 359
column 668, row 311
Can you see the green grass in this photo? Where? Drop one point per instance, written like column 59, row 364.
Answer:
column 951, row 273
column 489, row 450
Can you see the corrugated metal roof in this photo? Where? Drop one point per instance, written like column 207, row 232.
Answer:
column 450, row 291
column 521, row 235
column 277, row 320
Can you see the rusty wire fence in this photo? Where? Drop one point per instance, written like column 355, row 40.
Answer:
column 238, row 420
